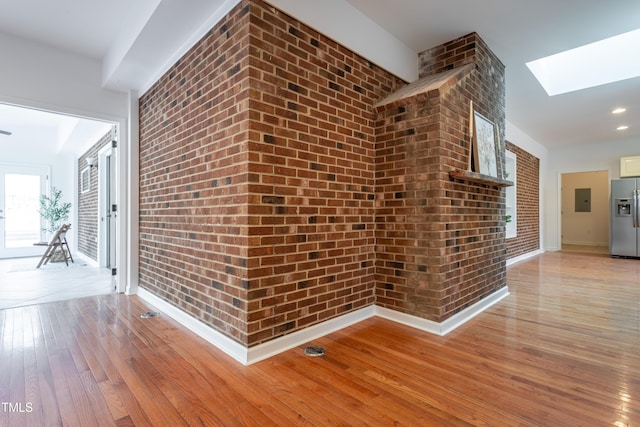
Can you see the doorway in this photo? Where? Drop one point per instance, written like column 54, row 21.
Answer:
column 55, row 142
column 585, row 212
column 21, row 187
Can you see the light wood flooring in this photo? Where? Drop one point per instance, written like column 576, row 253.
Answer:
column 22, row 284
column 562, row 350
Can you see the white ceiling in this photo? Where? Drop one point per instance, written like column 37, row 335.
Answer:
column 521, row 31
column 35, row 131
column 136, row 41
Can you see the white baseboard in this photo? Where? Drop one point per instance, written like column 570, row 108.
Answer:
column 522, row 257
column 250, row 355
column 590, row 243
column 224, row 343
column 89, row 261
column 287, row 342
column 449, row 324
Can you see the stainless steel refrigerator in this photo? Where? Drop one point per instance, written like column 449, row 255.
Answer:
column 625, row 218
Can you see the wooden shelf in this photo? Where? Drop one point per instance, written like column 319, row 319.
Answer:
column 479, row 178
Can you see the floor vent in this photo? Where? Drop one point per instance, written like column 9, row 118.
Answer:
column 149, row 314
column 314, row 351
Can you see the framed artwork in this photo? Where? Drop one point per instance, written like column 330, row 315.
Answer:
column 484, row 145
column 85, row 180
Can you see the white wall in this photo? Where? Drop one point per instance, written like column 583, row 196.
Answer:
column 517, row 137
column 39, row 76
column 604, row 156
column 578, row 158
column 42, row 77
column 341, row 21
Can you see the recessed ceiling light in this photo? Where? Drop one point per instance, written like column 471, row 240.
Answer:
column 590, row 65
column 619, row 110
column 623, row 127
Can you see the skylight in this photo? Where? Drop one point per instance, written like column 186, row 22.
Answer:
column 605, row 61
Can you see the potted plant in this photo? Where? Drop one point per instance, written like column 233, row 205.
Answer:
column 55, row 213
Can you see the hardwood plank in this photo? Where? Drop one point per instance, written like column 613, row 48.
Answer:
column 563, row 349
column 114, row 403
column 17, row 385
column 232, row 407
column 48, row 400
column 87, row 312
column 140, row 380
column 31, row 372
column 233, row 389
column 58, row 360
column 7, row 331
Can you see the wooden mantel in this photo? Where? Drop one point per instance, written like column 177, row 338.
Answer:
column 479, row 178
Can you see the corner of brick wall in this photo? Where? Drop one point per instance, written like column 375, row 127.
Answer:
column 312, row 162
column 257, row 177
column 194, row 179
column 271, row 199
column 440, row 243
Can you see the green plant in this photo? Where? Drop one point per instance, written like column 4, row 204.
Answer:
column 53, row 210
column 508, row 219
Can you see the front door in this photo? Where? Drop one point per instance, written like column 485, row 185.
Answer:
column 20, row 222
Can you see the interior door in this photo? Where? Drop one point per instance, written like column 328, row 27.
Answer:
column 20, row 221
column 107, row 206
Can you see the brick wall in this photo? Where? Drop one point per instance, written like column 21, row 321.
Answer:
column 88, row 220
column 440, row 243
column 273, row 196
column 194, row 177
column 257, row 177
column 527, row 203
column 312, row 156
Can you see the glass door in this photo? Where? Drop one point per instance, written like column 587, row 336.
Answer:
column 20, row 222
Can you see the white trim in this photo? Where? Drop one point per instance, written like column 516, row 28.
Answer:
column 248, row 356
column 287, row 342
column 123, row 184
column 106, row 151
column 224, row 343
column 128, row 164
column 511, row 194
column 522, row 257
column 90, row 262
column 449, row 324
column 581, row 243
column 85, row 180
column 221, row 12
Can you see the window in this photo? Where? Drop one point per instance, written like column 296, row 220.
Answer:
column 510, row 196
column 85, row 180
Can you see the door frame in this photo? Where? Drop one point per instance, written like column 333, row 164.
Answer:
column 559, row 198
column 107, row 183
column 127, row 125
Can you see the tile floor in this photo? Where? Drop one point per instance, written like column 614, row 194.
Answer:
column 22, row 284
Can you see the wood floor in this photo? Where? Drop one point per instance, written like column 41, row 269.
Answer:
column 562, row 350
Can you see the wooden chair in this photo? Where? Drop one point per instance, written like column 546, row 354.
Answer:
column 59, row 240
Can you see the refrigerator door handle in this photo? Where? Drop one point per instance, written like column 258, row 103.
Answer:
column 636, row 208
